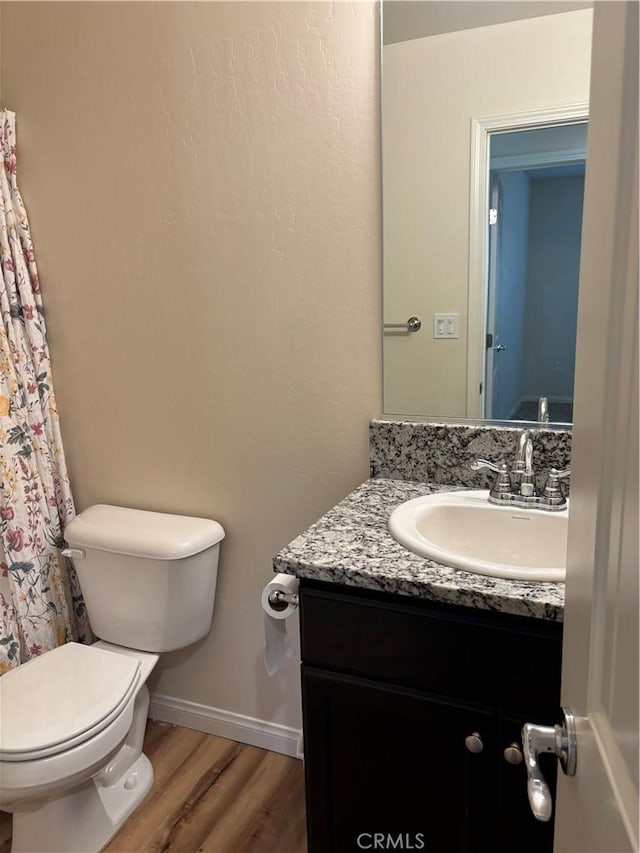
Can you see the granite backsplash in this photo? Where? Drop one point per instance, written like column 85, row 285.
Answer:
column 441, row 453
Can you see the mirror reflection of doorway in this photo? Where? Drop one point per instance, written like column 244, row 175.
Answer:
column 536, row 189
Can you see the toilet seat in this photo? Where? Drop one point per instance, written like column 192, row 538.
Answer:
column 62, row 699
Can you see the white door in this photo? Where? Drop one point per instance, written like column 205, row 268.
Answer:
column 597, row 809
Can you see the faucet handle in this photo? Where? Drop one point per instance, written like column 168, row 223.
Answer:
column 501, row 489
column 479, row 464
column 552, row 486
column 553, row 496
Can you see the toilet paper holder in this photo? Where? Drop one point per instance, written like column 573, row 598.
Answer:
column 279, row 600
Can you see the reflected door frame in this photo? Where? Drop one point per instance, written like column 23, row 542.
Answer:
column 491, row 354
column 481, row 129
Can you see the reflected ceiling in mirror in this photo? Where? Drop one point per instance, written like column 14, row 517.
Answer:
column 450, row 93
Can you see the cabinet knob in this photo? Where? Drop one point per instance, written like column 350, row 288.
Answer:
column 513, row 754
column 473, row 742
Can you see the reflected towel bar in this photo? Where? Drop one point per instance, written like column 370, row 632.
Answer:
column 413, row 324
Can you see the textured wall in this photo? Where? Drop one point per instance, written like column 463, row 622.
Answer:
column 203, row 186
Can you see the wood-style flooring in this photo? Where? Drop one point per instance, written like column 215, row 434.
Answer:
column 211, row 795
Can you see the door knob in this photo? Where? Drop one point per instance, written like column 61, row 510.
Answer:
column 500, row 348
column 558, row 740
column 473, row 742
column 513, row 753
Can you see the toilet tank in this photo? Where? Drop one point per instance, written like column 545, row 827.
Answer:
column 148, row 578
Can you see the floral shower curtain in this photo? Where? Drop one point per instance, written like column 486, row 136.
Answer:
column 40, row 601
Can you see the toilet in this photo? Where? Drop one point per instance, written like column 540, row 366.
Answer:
column 72, row 721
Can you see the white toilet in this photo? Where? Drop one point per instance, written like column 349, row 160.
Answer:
column 72, row 721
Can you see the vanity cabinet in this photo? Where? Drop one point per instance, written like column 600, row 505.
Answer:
column 397, row 695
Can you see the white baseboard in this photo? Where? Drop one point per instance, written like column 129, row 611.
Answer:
column 215, row 721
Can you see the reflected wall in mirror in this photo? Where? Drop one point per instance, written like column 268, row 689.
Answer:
column 453, row 100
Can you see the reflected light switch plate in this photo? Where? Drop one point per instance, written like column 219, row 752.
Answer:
column 445, row 326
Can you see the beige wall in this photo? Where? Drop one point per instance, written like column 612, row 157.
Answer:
column 412, row 19
column 202, row 183
column 432, row 88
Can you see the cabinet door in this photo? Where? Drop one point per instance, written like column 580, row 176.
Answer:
column 389, row 767
column 517, row 829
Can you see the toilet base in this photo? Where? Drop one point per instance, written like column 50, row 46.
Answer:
column 85, row 819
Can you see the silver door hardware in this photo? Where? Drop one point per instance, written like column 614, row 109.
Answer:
column 473, row 742
column 500, row 348
column 413, row 324
column 513, row 753
column 558, row 740
column 493, row 215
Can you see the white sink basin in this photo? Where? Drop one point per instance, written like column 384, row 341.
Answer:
column 463, row 530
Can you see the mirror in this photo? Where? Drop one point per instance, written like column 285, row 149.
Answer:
column 484, row 110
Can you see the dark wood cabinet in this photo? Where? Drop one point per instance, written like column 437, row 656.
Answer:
column 392, row 690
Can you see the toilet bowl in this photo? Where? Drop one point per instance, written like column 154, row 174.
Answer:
column 81, row 759
column 72, row 721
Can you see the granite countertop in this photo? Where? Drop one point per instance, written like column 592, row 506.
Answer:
column 351, row 545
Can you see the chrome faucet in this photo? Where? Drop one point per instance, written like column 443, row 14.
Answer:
column 505, row 492
column 524, row 451
column 523, row 465
column 543, row 410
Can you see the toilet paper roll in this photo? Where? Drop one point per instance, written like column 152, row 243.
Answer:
column 277, row 643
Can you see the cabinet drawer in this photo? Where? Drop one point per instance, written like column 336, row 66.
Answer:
column 483, row 657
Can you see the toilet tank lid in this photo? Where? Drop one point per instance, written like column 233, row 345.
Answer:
column 141, row 533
